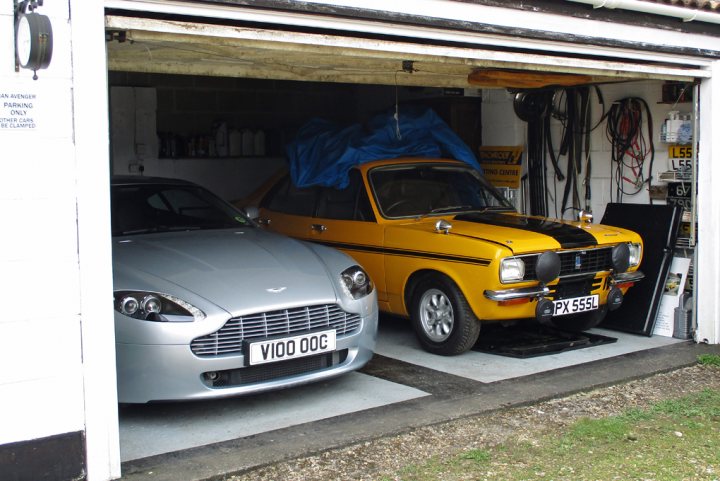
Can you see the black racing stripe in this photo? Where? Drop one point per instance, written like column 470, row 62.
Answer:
column 568, row 236
column 404, row 252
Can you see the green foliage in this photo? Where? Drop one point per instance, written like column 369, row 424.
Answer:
column 709, row 359
column 706, row 403
column 477, row 455
column 607, row 429
column 674, row 439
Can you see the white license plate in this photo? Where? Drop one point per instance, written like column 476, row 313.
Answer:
column 575, row 305
column 292, row 347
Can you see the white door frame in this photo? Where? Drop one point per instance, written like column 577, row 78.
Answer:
column 91, row 131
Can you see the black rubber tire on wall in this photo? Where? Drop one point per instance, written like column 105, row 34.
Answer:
column 581, row 322
column 441, row 317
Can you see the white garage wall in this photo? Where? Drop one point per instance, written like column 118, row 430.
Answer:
column 40, row 348
column 56, row 337
column 502, row 127
column 708, row 271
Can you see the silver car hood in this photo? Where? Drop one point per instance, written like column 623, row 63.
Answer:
column 236, row 270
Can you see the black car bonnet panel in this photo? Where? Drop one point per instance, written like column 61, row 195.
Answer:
column 568, row 236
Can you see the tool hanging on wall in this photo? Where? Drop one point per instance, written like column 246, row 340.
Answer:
column 571, row 107
column 630, row 148
column 575, row 143
column 532, row 106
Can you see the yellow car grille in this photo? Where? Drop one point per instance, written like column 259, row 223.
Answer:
column 575, row 262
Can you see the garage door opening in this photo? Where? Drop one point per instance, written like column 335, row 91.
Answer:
column 217, row 104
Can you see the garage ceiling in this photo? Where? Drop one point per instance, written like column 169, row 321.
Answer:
column 191, row 48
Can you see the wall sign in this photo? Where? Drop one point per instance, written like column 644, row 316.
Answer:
column 18, row 110
column 501, row 165
column 674, row 286
column 680, row 157
column 678, row 193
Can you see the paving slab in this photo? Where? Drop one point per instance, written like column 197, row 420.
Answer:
column 149, row 430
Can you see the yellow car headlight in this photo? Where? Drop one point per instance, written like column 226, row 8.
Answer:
column 635, row 254
column 512, row 269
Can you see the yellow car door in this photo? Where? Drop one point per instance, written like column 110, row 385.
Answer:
column 345, row 220
column 339, row 218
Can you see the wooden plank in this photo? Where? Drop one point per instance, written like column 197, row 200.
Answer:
column 526, row 79
column 152, row 31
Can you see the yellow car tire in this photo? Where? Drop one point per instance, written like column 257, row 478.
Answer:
column 441, row 317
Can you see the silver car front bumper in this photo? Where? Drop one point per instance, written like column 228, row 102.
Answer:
column 164, row 372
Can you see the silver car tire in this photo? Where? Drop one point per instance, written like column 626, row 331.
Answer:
column 442, row 318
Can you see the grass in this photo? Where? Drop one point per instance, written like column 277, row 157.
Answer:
column 709, row 359
column 676, row 439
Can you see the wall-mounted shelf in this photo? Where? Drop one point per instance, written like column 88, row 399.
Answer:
column 676, row 92
column 675, row 176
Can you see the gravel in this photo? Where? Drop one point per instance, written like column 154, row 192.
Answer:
column 383, row 457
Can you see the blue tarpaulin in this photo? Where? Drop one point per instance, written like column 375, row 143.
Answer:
column 323, row 152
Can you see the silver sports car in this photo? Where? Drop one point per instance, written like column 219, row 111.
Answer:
column 208, row 305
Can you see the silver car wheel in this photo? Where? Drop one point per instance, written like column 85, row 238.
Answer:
column 436, row 315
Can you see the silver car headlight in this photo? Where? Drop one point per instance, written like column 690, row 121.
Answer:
column 635, row 254
column 154, row 306
column 356, row 282
column 512, row 269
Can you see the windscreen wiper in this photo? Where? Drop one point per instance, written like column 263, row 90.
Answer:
column 450, row 208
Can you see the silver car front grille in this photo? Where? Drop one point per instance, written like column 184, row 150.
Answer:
column 229, row 339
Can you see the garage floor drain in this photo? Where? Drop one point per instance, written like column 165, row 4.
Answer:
column 525, row 341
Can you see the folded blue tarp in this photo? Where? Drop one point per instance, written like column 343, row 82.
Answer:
column 323, row 152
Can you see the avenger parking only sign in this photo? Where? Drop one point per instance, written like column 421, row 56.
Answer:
column 17, row 110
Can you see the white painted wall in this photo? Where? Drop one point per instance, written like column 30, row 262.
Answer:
column 502, row 127
column 231, row 178
column 708, row 261
column 41, row 372
column 134, row 142
column 56, row 340
column 92, row 160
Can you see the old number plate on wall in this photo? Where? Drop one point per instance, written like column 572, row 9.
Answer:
column 292, row 347
column 575, row 305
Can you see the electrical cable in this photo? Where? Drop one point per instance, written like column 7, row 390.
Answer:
column 576, row 140
column 572, row 108
column 531, row 106
column 630, row 148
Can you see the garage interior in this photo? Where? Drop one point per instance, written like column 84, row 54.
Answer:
column 216, row 103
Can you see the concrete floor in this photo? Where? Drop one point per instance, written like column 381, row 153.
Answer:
column 403, row 386
column 163, row 428
column 397, row 341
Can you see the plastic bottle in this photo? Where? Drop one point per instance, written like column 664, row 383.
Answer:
column 221, row 139
column 259, row 141
column 235, row 143
column 248, row 143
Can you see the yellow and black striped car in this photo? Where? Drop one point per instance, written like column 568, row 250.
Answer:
column 447, row 250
